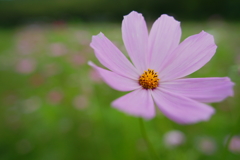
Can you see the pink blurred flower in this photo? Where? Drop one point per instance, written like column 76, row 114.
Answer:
column 206, row 145
column 25, row 47
column 26, row 66
column 58, row 49
column 234, row 144
column 30, row 39
column 77, row 59
column 95, row 76
column 80, row 102
column 174, row 138
column 167, row 61
column 55, row 96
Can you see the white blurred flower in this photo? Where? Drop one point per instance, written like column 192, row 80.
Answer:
column 31, row 104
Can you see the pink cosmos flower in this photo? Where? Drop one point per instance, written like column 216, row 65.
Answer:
column 158, row 66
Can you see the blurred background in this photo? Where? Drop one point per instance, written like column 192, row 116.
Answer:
column 54, row 106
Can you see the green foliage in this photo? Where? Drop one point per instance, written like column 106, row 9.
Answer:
column 53, row 106
column 18, row 11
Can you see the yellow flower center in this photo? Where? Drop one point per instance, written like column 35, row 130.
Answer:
column 149, row 79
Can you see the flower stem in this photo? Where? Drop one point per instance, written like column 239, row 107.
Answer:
column 144, row 134
column 228, row 141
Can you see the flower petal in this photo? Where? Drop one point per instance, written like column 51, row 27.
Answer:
column 112, row 58
column 137, row 103
column 181, row 109
column 193, row 53
column 163, row 39
column 135, row 38
column 201, row 89
column 116, row 81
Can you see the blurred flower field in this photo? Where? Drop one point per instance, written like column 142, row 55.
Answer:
column 54, row 106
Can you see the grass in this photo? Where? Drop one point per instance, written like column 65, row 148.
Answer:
column 53, row 106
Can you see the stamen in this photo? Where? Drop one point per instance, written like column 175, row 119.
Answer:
column 149, row 79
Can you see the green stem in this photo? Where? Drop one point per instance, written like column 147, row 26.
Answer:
column 234, row 131
column 228, row 141
column 226, row 150
column 144, row 134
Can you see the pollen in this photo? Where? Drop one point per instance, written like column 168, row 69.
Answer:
column 149, row 79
